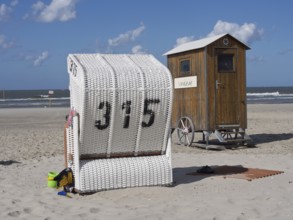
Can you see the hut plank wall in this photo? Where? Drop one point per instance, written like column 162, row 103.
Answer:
column 190, row 101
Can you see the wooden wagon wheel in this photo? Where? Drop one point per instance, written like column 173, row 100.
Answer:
column 185, row 131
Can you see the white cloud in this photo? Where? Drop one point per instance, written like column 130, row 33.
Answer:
column 4, row 12
column 14, row 3
column 183, row 40
column 247, row 33
column 137, row 32
column 253, row 58
column 137, row 50
column 57, row 10
column 38, row 6
column 40, row 59
column 2, row 39
column 3, row 42
column 126, row 37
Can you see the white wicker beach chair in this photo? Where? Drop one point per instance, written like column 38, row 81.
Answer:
column 121, row 110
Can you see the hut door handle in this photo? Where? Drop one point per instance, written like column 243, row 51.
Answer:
column 217, row 84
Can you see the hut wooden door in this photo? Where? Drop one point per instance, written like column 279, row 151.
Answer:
column 227, row 95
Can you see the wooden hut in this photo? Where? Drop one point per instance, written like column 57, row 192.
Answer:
column 209, row 88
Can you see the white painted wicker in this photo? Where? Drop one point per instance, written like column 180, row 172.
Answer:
column 120, row 134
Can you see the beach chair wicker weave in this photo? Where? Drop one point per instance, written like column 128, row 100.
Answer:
column 119, row 136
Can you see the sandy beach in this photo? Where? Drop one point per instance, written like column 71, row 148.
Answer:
column 32, row 145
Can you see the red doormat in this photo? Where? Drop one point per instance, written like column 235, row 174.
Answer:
column 238, row 172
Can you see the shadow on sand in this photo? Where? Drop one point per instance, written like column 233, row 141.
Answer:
column 256, row 139
column 180, row 175
column 7, row 162
column 267, row 138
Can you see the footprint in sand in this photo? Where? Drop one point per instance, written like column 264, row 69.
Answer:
column 94, row 210
column 14, row 214
column 27, row 210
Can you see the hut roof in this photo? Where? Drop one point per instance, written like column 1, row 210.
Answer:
column 193, row 45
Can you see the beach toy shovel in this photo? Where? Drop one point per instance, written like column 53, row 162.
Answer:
column 63, row 193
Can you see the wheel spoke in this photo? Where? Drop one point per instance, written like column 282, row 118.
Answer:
column 181, row 130
column 181, row 137
column 182, row 123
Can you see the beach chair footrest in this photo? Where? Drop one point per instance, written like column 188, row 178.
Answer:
column 104, row 174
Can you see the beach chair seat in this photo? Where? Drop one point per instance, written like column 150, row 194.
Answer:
column 119, row 133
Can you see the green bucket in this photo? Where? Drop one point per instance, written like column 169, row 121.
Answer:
column 51, row 182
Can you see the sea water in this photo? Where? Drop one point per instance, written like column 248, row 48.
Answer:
column 269, row 95
column 34, row 98
column 61, row 98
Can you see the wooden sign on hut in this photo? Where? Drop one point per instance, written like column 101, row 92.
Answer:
column 209, row 89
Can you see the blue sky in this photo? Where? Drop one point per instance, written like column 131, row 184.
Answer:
column 37, row 35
